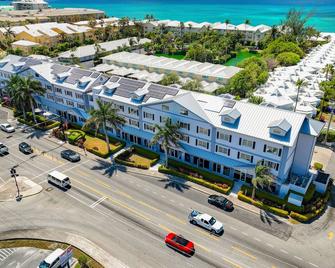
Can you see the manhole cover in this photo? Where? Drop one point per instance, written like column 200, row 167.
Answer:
column 49, row 189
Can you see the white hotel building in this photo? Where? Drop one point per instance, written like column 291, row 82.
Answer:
column 219, row 135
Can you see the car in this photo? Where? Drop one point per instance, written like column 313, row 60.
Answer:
column 70, row 155
column 3, row 149
column 180, row 244
column 7, row 128
column 25, row 148
column 206, row 221
column 221, row 202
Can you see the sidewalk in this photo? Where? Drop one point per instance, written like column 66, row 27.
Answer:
column 80, row 242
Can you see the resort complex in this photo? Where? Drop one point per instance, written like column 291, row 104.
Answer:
column 220, row 135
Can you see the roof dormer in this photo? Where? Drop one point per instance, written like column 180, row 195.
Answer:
column 139, row 94
column 83, row 82
column 230, row 116
column 280, row 127
column 110, row 87
column 18, row 65
column 3, row 62
column 62, row 76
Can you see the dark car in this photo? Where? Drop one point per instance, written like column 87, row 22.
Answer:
column 220, row 202
column 70, row 155
column 25, row 148
column 180, row 244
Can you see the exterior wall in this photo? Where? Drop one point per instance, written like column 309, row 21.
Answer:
column 302, row 161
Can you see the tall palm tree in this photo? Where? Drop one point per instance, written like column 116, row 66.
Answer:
column 167, row 135
column 105, row 114
column 328, row 91
column 25, row 90
column 262, row 178
column 227, row 21
column 328, row 70
column 13, row 90
column 301, row 83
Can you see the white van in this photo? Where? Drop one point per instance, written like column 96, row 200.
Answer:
column 59, row 179
column 53, row 260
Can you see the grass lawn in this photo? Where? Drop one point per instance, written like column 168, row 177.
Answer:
column 173, row 56
column 49, row 245
column 241, row 55
column 97, row 144
column 140, row 159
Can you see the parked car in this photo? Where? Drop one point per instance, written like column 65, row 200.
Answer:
column 70, row 155
column 206, row 221
column 3, row 149
column 25, row 148
column 7, row 128
column 180, row 244
column 221, row 202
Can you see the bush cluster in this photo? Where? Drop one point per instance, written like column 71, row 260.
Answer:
column 288, row 58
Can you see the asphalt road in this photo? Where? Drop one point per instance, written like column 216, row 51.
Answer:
column 22, row 257
column 129, row 214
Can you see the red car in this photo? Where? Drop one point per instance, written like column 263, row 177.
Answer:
column 180, row 243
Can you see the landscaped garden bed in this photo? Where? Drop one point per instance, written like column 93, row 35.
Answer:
column 199, row 176
column 42, row 122
column 138, row 157
column 313, row 204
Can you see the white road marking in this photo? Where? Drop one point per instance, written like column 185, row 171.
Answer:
column 232, row 228
column 98, row 202
column 245, row 234
column 313, row 264
column 284, row 251
column 2, row 180
column 300, row 259
column 172, row 201
column 257, row 239
column 271, row 246
column 163, row 196
column 154, row 193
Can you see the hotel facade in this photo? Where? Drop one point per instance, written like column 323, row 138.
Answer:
column 223, row 136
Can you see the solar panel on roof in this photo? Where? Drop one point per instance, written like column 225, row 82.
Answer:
column 123, row 93
column 229, row 103
column 81, row 72
column 58, row 69
column 95, row 75
column 129, row 82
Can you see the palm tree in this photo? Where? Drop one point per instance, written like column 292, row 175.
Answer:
column 299, row 84
column 262, row 178
column 167, row 135
column 182, row 28
column 328, row 70
column 23, row 90
column 227, row 21
column 327, row 93
column 105, row 114
column 13, row 90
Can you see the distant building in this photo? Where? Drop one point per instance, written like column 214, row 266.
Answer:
column 24, row 45
column 184, row 68
column 29, row 4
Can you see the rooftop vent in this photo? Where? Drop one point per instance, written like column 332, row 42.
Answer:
column 110, row 87
column 83, row 82
column 230, row 116
column 280, row 127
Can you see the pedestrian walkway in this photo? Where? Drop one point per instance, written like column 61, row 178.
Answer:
column 237, row 186
column 5, row 253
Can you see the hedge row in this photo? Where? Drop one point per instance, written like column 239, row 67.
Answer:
column 330, row 138
column 51, row 124
column 259, row 204
column 202, row 182
column 145, row 152
column 131, row 164
column 208, row 176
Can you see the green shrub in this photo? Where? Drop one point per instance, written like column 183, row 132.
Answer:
column 74, row 135
column 277, row 211
column 202, row 182
column 288, row 58
column 146, row 153
column 330, row 138
column 131, row 164
column 318, row 166
column 244, row 198
column 263, row 195
column 279, row 46
column 208, row 176
column 300, row 217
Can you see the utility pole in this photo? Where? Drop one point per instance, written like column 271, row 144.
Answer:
column 13, row 173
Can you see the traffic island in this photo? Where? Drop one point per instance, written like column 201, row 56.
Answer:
column 8, row 191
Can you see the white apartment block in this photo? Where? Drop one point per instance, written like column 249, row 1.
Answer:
column 223, row 136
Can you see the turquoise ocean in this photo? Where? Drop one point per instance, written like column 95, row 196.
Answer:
column 268, row 12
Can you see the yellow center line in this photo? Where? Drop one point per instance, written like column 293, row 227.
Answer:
column 165, row 228
column 202, row 247
column 244, row 252
column 175, row 218
column 231, row 262
column 112, row 200
column 207, row 234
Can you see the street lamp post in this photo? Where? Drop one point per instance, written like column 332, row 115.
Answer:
column 330, row 119
column 13, row 173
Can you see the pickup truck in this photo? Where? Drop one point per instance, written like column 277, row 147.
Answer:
column 3, row 149
column 206, row 221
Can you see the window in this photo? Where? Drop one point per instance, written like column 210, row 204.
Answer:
column 184, row 125
column 149, row 115
column 48, row 87
column 202, row 143
column 216, row 167
column 37, row 75
column 204, row 131
column 223, row 136
column 81, row 106
column 133, row 122
column 68, row 93
column 79, row 96
column 90, row 98
column 185, row 138
column 164, row 119
column 246, row 157
column 247, row 143
column 59, row 90
column 183, row 111
column 149, row 127
column 165, row 107
column 70, row 103
column 272, row 150
column 270, row 164
column 222, row 150
column 119, row 107
column 132, row 111
column 60, row 100
column 50, row 97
